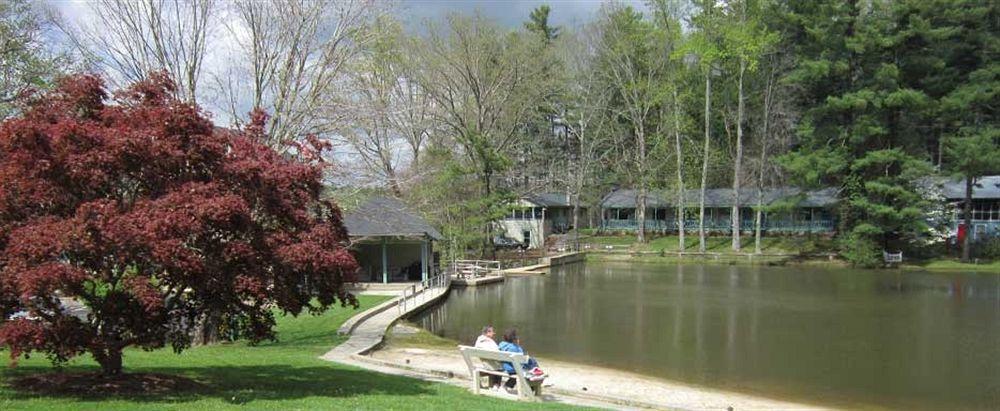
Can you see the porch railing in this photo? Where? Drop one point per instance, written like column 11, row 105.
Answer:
column 417, row 294
column 691, row 225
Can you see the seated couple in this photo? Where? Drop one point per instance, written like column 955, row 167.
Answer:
column 511, row 343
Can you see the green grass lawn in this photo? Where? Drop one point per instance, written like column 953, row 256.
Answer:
column 943, row 264
column 718, row 244
column 285, row 375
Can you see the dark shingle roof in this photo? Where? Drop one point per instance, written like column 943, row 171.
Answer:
column 549, row 199
column 626, row 198
column 985, row 187
column 718, row 197
column 385, row 217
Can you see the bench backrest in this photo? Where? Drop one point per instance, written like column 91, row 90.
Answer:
column 485, row 354
column 518, row 360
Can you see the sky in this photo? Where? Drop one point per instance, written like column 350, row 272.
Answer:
column 506, row 12
column 509, row 13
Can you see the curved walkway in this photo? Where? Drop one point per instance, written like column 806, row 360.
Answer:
column 367, row 330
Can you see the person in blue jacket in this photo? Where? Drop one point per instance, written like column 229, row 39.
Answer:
column 512, row 343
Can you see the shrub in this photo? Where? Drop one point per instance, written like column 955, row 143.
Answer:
column 860, row 250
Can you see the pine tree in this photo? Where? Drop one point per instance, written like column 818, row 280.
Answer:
column 862, row 126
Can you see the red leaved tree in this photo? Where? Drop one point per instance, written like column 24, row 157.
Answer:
column 152, row 218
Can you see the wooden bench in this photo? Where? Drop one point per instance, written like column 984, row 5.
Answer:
column 529, row 387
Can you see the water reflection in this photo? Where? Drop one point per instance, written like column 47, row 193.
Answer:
column 845, row 337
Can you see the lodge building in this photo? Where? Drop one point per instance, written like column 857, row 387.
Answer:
column 533, row 218
column 790, row 210
column 985, row 207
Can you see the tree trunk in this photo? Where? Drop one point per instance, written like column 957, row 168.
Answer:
column 680, row 175
column 640, row 212
column 576, row 222
column 739, row 159
column 488, row 249
column 967, row 218
column 207, row 331
column 110, row 361
column 641, row 209
column 704, row 162
column 394, row 186
column 760, row 171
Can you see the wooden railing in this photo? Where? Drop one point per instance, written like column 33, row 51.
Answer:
column 418, row 294
column 474, row 268
column 892, row 258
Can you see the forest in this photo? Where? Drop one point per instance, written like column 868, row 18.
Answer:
column 460, row 116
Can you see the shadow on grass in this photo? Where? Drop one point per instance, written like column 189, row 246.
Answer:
column 245, row 384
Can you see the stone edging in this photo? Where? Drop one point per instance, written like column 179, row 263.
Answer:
column 348, row 326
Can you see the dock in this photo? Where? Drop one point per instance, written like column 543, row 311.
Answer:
column 476, row 281
column 545, row 263
column 472, row 273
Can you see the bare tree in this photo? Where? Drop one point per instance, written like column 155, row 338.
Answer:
column 372, row 83
column 586, row 119
column 680, row 204
column 414, row 113
column 634, row 70
column 131, row 38
column 297, row 54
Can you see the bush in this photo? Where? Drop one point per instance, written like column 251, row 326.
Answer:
column 987, row 249
column 860, row 250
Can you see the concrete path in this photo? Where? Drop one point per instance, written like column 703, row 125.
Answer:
column 368, row 332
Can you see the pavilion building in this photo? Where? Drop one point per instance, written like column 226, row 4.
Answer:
column 390, row 242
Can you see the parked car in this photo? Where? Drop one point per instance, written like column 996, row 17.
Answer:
column 501, row 242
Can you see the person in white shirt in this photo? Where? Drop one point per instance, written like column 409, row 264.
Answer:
column 486, row 341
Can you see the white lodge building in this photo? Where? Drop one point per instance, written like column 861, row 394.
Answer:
column 533, row 218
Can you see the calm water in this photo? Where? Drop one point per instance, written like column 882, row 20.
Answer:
column 829, row 336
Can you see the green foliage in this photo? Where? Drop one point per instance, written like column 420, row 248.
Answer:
column 27, row 62
column 538, row 23
column 988, row 249
column 859, row 249
column 876, row 80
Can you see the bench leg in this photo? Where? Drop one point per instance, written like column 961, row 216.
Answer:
column 523, row 389
column 475, row 382
column 537, row 388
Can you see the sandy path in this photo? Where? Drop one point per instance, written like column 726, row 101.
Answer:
column 628, row 388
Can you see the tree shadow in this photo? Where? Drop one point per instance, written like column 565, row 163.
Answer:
column 245, row 384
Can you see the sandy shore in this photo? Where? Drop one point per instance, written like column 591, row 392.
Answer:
column 622, row 387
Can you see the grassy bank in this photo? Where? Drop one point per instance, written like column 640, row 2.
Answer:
column 808, row 251
column 942, row 264
column 277, row 376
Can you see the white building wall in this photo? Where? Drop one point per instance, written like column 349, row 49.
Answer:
column 515, row 229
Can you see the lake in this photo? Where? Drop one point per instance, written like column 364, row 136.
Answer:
column 829, row 336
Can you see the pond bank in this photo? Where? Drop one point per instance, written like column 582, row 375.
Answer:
column 622, row 389
column 932, row 265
